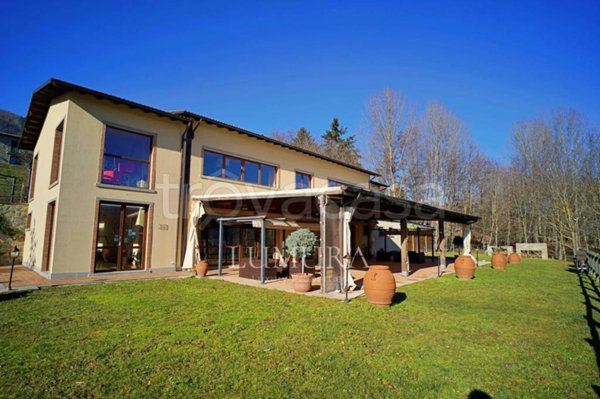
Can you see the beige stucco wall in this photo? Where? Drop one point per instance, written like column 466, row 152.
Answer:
column 43, row 193
column 287, row 161
column 79, row 189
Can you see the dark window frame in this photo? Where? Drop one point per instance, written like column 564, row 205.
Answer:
column 33, row 176
column 57, row 153
column 243, row 161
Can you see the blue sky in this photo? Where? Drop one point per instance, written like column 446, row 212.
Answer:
column 280, row 65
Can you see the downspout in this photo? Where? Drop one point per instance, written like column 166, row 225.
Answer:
column 184, row 189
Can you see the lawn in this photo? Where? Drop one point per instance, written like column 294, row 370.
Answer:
column 521, row 332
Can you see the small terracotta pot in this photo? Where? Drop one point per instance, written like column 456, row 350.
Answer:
column 499, row 261
column 379, row 285
column 201, row 268
column 464, row 266
column 514, row 258
column 302, row 282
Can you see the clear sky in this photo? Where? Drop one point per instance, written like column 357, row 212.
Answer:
column 281, row 65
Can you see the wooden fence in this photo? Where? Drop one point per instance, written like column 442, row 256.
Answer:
column 594, row 263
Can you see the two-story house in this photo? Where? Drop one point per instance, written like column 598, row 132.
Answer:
column 114, row 183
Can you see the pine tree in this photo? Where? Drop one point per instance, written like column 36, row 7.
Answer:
column 340, row 147
column 304, row 139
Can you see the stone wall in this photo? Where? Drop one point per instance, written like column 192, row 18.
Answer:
column 16, row 214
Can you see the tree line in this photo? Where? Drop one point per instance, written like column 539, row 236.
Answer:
column 548, row 192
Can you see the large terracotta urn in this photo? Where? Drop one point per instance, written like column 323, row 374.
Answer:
column 379, row 285
column 201, row 268
column 499, row 261
column 464, row 266
column 302, row 282
column 514, row 258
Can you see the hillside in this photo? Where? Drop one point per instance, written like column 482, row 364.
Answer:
column 10, row 123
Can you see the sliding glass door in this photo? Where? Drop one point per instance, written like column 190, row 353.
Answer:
column 120, row 237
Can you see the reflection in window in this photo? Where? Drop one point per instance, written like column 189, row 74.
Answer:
column 213, row 164
column 233, row 168
column 126, row 159
column 334, row 183
column 251, row 170
column 302, row 180
column 267, row 175
column 228, row 167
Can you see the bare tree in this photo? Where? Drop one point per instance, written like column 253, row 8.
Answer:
column 391, row 126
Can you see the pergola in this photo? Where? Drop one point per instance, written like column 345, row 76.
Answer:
column 334, row 209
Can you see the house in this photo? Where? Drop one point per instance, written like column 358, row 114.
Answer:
column 119, row 186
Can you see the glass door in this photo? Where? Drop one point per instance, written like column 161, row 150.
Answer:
column 120, row 237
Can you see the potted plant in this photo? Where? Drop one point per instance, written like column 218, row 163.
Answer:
column 300, row 244
column 201, row 266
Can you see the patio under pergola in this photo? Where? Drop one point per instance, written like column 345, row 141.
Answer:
column 344, row 218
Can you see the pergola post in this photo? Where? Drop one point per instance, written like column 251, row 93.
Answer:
column 263, row 252
column 441, row 244
column 220, row 266
column 467, row 239
column 404, row 247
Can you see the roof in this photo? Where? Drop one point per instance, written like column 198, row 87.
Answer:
column 366, row 202
column 40, row 103
column 41, row 98
column 271, row 140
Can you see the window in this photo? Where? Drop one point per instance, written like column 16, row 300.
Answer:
column 228, row 167
column 303, row 180
column 56, row 153
column 335, row 183
column 32, row 179
column 28, row 223
column 267, row 175
column 126, row 158
column 251, row 172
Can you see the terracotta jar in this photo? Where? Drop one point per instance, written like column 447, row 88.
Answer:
column 201, row 268
column 514, row 258
column 379, row 285
column 302, row 282
column 499, row 261
column 464, row 266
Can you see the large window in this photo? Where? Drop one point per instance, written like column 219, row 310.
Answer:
column 126, row 158
column 303, row 180
column 228, row 167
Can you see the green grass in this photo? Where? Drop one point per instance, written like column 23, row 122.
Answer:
column 516, row 333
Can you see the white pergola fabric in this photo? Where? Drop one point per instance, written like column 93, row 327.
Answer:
column 347, row 249
column 192, row 254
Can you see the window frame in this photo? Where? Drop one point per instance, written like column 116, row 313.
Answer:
column 243, row 161
column 33, row 176
column 57, row 153
column 301, row 173
column 151, row 159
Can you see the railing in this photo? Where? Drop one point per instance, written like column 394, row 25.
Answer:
column 594, row 263
column 12, row 191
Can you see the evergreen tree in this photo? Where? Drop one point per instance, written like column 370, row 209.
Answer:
column 304, row 139
column 340, row 147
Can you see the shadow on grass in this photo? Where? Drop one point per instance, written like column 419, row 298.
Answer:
column 590, row 291
column 9, row 295
column 398, row 298
column 477, row 394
